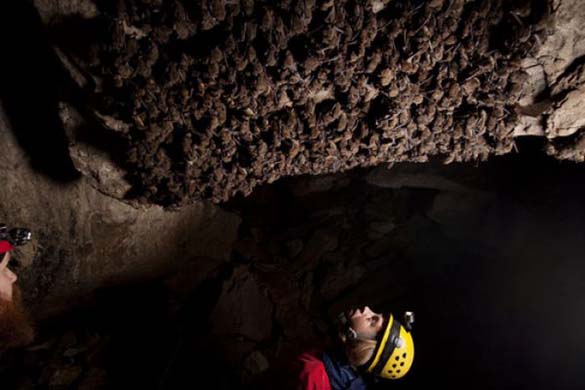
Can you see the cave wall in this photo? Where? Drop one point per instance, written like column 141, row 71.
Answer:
column 553, row 102
column 84, row 240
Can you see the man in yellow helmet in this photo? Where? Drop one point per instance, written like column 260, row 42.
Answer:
column 372, row 343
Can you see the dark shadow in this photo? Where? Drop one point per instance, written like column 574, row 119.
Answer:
column 29, row 90
column 206, row 368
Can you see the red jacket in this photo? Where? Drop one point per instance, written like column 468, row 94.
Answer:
column 312, row 372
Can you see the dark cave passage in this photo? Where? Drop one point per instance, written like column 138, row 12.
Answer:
column 489, row 257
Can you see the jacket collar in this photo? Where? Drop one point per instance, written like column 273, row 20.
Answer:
column 341, row 374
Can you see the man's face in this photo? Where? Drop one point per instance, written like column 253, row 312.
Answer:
column 7, row 279
column 365, row 322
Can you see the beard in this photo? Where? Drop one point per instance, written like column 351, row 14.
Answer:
column 16, row 327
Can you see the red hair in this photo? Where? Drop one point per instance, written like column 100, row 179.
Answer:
column 15, row 324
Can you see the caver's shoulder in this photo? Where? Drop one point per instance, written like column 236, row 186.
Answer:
column 312, row 373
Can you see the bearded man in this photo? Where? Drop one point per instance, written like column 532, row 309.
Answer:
column 15, row 325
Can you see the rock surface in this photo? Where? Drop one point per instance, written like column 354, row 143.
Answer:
column 84, row 240
column 243, row 309
column 553, row 103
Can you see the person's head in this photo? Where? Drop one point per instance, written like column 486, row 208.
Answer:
column 15, row 326
column 378, row 344
column 7, row 278
column 361, row 334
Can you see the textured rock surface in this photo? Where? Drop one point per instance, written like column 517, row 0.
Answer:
column 242, row 309
column 553, row 102
column 215, row 98
column 84, row 240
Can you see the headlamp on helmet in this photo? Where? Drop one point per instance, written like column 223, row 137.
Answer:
column 394, row 353
column 13, row 237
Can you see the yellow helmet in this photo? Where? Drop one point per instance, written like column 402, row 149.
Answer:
column 394, row 353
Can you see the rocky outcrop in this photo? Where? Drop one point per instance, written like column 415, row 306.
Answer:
column 553, row 99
